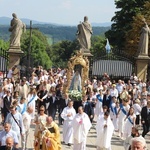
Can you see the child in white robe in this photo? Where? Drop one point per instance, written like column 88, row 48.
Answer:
column 104, row 129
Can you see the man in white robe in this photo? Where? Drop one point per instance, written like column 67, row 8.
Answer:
column 104, row 129
column 68, row 114
column 81, row 125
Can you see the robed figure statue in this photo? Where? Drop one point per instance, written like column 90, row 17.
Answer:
column 16, row 28
column 76, row 82
column 84, row 34
column 144, row 40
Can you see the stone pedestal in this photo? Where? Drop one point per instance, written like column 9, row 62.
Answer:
column 142, row 66
column 86, row 52
column 14, row 56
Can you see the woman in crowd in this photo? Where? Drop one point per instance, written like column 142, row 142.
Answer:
column 31, row 100
column 41, row 117
column 129, row 122
column 137, row 111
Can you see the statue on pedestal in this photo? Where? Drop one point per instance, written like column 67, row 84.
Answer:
column 144, row 39
column 16, row 28
column 84, row 34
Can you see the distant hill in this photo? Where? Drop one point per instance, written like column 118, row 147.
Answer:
column 54, row 32
column 104, row 24
column 6, row 21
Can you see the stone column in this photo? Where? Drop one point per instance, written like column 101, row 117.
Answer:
column 87, row 53
column 142, row 66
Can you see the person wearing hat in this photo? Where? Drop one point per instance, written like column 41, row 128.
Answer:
column 137, row 111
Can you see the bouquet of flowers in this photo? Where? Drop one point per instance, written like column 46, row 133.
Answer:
column 75, row 95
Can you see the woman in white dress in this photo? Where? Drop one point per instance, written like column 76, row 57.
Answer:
column 129, row 123
column 137, row 111
column 114, row 108
column 99, row 102
column 31, row 99
column 122, row 113
column 40, row 118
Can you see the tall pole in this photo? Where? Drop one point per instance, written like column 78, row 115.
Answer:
column 29, row 50
column 30, row 43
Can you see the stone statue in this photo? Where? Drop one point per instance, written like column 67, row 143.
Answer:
column 84, row 34
column 144, row 40
column 76, row 82
column 16, row 28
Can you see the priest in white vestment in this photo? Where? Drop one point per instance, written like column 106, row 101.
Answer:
column 68, row 114
column 104, row 129
column 81, row 125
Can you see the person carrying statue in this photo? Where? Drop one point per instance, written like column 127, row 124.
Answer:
column 84, row 34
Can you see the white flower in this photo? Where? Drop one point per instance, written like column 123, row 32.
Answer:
column 75, row 94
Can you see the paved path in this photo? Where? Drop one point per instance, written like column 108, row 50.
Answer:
column 91, row 140
column 116, row 142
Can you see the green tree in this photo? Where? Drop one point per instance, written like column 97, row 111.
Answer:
column 133, row 35
column 4, row 45
column 39, row 48
column 62, row 51
column 97, row 45
column 123, row 18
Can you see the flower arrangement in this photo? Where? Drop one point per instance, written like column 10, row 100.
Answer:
column 75, row 95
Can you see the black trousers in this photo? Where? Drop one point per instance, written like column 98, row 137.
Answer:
column 137, row 121
column 145, row 129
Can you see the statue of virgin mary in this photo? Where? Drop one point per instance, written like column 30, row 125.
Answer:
column 76, row 82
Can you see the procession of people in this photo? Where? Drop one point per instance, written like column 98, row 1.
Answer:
column 116, row 107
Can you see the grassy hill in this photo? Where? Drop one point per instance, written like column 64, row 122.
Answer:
column 54, row 33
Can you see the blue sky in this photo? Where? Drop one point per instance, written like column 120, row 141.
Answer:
column 59, row 11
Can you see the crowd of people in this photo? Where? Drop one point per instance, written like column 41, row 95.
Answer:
column 115, row 107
